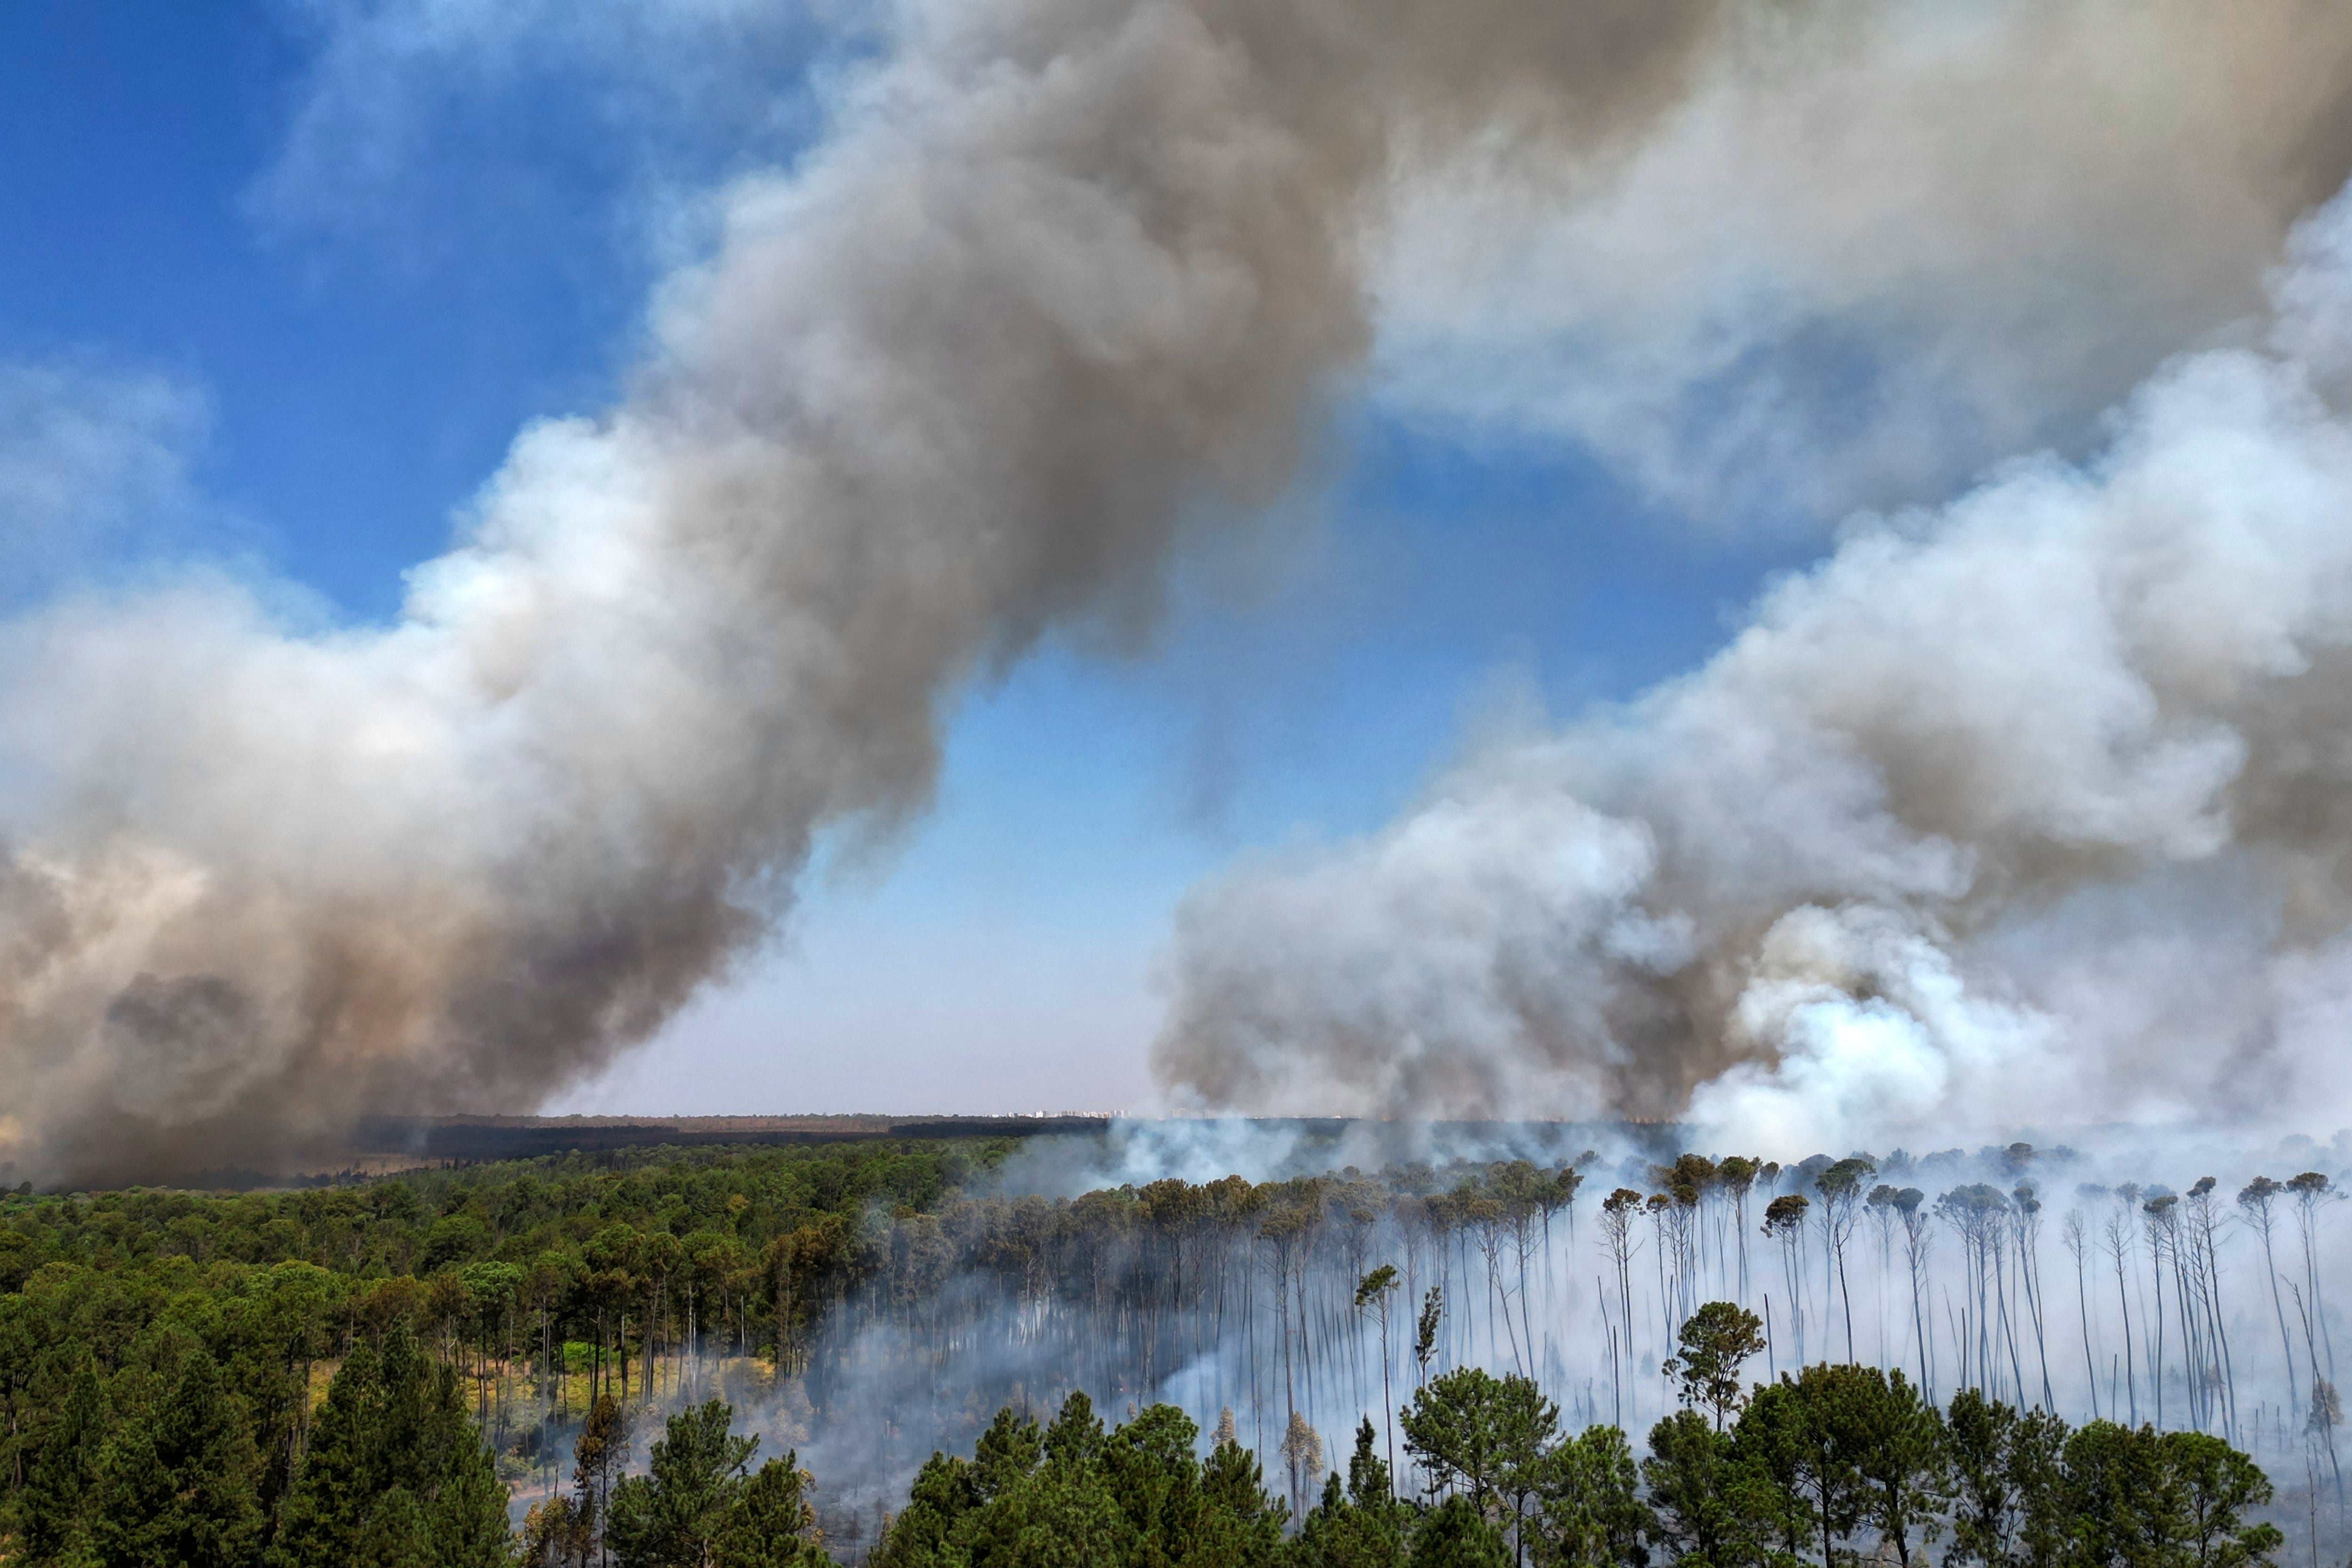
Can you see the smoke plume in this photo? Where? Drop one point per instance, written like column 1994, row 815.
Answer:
column 2032, row 810
column 1064, row 283
column 1874, row 247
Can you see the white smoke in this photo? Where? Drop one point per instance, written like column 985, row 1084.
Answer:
column 94, row 461
column 2030, row 811
column 1874, row 248
column 652, row 91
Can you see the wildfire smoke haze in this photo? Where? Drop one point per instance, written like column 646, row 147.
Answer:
column 2035, row 801
column 2035, row 795
column 2064, row 1280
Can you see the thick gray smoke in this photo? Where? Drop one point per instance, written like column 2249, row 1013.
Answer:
column 2030, row 811
column 1063, row 282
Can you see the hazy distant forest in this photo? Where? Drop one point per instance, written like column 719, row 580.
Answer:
column 567, row 1360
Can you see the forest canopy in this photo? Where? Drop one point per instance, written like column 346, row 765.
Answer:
column 629, row 1347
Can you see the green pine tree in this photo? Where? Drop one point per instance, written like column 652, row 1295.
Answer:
column 1241, row 1521
column 465, row 1502
column 943, row 1493
column 134, row 1492
column 1358, row 1525
column 328, row 1504
column 394, row 1435
column 469, row 1511
column 669, row 1517
column 405, row 1428
column 1592, row 1515
column 64, row 1472
column 1456, row 1534
column 1007, row 1451
column 772, row 1524
column 180, row 1490
column 398, row 1535
column 1694, row 1475
column 2220, row 1486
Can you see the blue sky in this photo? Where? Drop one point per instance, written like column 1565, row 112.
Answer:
column 354, row 295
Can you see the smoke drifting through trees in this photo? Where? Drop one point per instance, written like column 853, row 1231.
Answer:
column 866, row 1300
column 1063, row 285
column 1239, row 1302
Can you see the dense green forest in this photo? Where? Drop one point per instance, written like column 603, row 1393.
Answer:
column 387, row 1371
column 148, row 1338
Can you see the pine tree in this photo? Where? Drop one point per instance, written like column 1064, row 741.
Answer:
column 553, row 1535
column 328, row 1503
column 397, row 1534
column 403, row 1451
column 672, row 1515
column 465, row 1502
column 1357, row 1526
column 468, row 1514
column 1888, row 1442
column 598, row 1459
column 1302, row 1451
column 772, row 1524
column 1457, row 1535
column 395, row 1466
column 179, row 1490
column 1716, row 1341
column 1593, row 1514
column 64, row 1472
column 1008, row 1450
column 1241, row 1523
column 1689, row 1472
